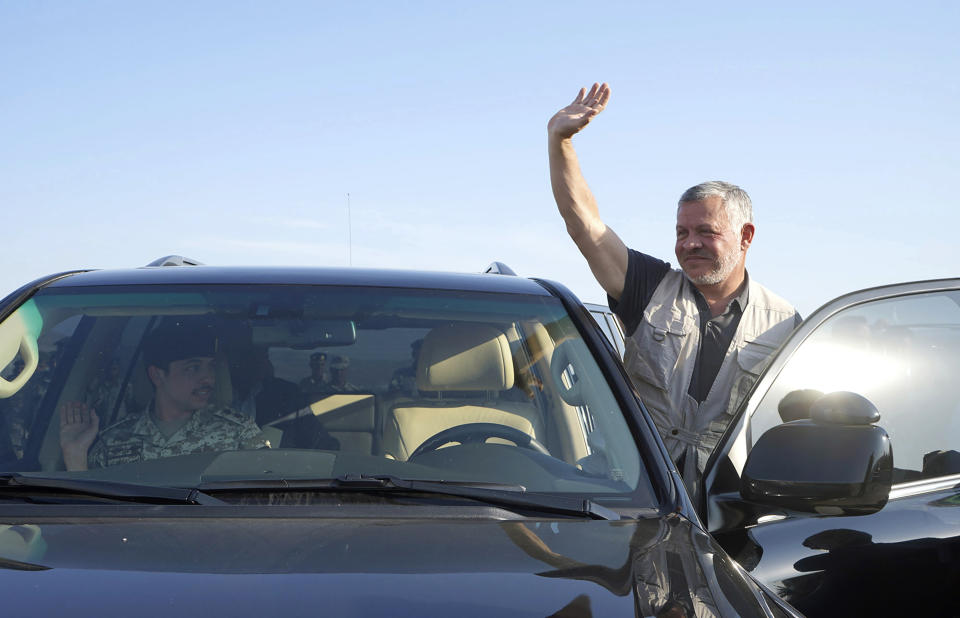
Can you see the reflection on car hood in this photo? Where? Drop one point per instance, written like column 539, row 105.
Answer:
column 339, row 567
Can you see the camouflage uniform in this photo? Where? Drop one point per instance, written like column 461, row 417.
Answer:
column 102, row 396
column 346, row 387
column 137, row 437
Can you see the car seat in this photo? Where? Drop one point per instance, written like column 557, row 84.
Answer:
column 469, row 367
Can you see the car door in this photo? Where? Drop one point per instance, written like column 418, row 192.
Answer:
column 609, row 323
column 898, row 346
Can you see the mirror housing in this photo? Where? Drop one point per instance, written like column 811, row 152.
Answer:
column 834, row 463
column 304, row 335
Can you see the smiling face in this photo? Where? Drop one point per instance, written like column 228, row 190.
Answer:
column 708, row 249
column 185, row 387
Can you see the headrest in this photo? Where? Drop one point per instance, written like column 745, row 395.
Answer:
column 465, row 357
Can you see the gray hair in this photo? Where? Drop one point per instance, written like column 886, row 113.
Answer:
column 735, row 200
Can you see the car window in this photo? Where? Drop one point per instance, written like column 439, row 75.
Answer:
column 616, row 330
column 903, row 354
column 424, row 384
column 610, row 326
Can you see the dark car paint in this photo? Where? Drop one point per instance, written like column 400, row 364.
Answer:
column 362, row 277
column 23, row 293
column 158, row 564
column 865, row 565
column 144, row 560
column 901, row 561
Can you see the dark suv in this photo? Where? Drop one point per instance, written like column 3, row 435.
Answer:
column 193, row 440
column 426, row 444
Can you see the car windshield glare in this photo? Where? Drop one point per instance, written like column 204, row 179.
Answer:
column 183, row 385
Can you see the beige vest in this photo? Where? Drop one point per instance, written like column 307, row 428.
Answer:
column 661, row 353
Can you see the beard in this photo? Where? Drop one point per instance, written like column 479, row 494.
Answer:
column 723, row 265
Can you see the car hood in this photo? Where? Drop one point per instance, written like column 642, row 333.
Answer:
column 365, row 567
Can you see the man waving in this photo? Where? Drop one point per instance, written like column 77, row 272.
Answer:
column 697, row 336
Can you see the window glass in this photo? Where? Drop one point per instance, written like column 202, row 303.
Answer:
column 903, row 354
column 609, row 328
column 422, row 384
column 602, row 322
column 616, row 332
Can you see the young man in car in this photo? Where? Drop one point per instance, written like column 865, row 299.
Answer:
column 180, row 357
column 697, row 336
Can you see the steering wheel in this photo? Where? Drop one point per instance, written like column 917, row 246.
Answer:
column 477, row 433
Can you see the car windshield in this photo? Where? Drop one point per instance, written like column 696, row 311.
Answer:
column 185, row 385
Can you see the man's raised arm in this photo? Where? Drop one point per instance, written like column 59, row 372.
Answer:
column 605, row 252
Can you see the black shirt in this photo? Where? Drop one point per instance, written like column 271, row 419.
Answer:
column 644, row 274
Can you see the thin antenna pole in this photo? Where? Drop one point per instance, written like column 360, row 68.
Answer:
column 349, row 230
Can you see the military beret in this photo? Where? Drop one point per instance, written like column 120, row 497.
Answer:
column 178, row 339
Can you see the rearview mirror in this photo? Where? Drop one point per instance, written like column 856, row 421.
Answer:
column 305, row 334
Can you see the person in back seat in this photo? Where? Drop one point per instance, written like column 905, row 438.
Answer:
column 259, row 393
column 180, row 357
column 317, row 381
column 404, row 379
column 338, row 376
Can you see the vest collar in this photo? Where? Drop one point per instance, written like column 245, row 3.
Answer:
column 737, row 303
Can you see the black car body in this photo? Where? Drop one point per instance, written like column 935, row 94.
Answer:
column 886, row 359
column 897, row 347
column 544, row 490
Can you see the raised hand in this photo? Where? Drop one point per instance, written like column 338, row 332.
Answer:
column 78, row 428
column 571, row 119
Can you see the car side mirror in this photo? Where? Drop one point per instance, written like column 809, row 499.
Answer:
column 837, row 462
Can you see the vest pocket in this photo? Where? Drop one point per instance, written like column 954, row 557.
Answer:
column 752, row 359
column 657, row 351
column 754, row 356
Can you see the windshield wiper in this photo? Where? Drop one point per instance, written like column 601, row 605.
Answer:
column 491, row 493
column 509, row 496
column 38, row 487
column 16, row 565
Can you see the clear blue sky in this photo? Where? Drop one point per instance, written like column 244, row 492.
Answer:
column 232, row 132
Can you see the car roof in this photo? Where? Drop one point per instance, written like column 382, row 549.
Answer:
column 219, row 275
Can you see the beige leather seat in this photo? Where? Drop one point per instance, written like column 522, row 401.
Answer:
column 468, row 366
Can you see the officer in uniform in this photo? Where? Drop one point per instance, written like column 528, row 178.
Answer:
column 181, row 357
column 338, row 376
column 316, row 383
